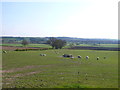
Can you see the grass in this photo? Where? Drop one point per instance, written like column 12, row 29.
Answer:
column 29, row 45
column 67, row 46
column 54, row 71
column 101, row 45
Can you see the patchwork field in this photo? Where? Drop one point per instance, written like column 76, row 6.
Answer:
column 29, row 45
column 27, row 69
column 47, row 46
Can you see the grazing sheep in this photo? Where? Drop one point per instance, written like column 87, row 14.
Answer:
column 87, row 57
column 4, row 51
column 67, row 55
column 97, row 58
column 64, row 55
column 72, row 57
column 42, row 54
column 79, row 56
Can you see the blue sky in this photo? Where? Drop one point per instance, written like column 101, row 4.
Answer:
column 84, row 19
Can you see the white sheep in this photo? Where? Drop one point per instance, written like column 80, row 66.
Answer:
column 72, row 57
column 79, row 56
column 42, row 54
column 4, row 51
column 64, row 55
column 87, row 57
column 97, row 58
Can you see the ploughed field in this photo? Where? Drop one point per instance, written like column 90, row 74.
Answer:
column 27, row 69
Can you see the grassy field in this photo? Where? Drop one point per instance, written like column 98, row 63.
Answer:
column 29, row 45
column 48, row 46
column 101, row 45
column 30, row 70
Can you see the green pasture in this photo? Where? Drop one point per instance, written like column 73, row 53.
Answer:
column 67, row 46
column 101, row 45
column 29, row 45
column 27, row 69
column 110, row 45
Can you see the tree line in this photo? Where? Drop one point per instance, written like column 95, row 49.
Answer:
column 54, row 42
column 43, row 40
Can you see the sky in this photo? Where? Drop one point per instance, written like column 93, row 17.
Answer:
column 55, row 18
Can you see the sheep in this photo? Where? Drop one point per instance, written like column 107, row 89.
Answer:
column 42, row 54
column 67, row 55
column 72, row 57
column 97, row 58
column 64, row 55
column 4, row 51
column 79, row 56
column 87, row 57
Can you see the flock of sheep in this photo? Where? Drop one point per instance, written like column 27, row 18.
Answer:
column 42, row 54
column 71, row 56
column 80, row 57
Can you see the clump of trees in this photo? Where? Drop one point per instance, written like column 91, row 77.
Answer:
column 56, row 43
column 71, row 45
column 25, row 42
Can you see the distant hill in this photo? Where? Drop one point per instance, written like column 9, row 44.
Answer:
column 42, row 40
column 89, row 41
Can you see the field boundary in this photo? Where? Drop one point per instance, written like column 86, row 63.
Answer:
column 18, row 48
column 95, row 48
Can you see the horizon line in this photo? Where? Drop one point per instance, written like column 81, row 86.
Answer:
column 56, row 36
